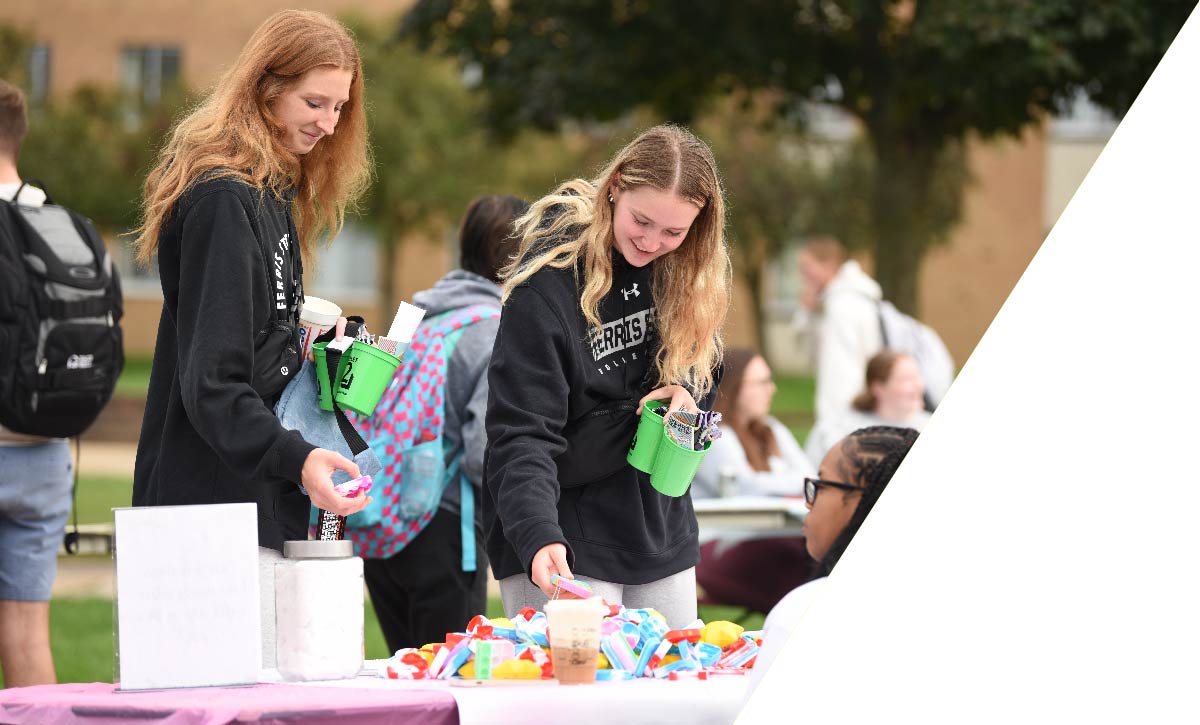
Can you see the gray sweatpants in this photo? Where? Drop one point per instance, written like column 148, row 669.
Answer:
column 673, row 596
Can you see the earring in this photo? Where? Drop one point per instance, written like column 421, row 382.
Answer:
column 610, row 198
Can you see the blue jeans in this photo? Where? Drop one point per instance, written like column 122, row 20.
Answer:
column 35, row 499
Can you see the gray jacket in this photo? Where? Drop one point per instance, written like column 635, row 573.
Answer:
column 466, row 375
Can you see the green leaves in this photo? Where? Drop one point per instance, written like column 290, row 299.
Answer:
column 93, row 149
column 921, row 75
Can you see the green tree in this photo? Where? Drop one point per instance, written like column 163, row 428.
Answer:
column 93, row 155
column 14, row 53
column 433, row 154
column 428, row 148
column 771, row 183
column 920, row 76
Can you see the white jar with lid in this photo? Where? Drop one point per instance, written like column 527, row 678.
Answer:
column 319, row 611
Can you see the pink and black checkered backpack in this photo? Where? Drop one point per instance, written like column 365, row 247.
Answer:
column 405, row 431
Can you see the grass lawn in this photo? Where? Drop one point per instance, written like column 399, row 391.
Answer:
column 96, row 496
column 793, row 403
column 135, row 378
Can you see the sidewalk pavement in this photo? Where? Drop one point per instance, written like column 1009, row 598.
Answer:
column 104, row 458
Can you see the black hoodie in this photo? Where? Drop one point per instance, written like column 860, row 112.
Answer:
column 225, row 260
column 561, row 415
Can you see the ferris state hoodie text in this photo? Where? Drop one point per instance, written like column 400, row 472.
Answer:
column 561, row 415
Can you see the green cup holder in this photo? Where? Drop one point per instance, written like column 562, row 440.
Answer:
column 671, row 466
column 363, row 375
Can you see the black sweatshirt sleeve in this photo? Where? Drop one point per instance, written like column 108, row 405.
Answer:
column 527, row 411
column 222, row 283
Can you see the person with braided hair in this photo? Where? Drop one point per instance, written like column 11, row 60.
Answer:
column 850, row 480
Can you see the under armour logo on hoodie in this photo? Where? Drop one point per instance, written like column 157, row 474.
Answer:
column 629, row 292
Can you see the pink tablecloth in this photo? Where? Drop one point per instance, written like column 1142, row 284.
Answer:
column 263, row 704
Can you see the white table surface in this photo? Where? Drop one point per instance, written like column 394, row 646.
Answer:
column 747, row 517
column 711, row 702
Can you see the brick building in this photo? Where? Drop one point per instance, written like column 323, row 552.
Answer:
column 1021, row 186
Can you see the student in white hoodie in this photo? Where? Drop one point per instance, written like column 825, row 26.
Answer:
column 847, row 330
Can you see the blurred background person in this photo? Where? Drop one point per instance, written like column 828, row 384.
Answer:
column 756, row 455
column 846, row 302
column 894, row 395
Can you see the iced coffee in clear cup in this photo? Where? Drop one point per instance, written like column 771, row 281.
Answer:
column 573, row 627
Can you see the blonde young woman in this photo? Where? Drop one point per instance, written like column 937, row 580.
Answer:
column 243, row 190
column 617, row 296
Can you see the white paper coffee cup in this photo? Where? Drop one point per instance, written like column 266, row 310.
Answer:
column 316, row 317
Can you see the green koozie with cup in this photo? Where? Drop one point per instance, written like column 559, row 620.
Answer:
column 670, row 465
column 363, row 375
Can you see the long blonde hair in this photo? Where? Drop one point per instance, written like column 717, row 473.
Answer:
column 235, row 132
column 690, row 284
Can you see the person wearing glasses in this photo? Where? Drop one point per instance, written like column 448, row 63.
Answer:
column 850, row 480
column 756, row 456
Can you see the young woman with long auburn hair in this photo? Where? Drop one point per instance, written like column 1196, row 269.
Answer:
column 617, row 296
column 244, row 188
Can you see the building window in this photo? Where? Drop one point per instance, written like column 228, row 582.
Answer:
column 149, row 70
column 346, row 269
column 39, row 73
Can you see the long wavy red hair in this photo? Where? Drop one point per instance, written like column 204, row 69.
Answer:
column 235, row 133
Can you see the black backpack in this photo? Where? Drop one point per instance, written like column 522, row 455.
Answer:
column 60, row 305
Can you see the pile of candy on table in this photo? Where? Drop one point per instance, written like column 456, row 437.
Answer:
column 633, row 643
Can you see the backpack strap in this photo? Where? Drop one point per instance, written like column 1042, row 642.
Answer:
column 33, row 182
column 90, row 307
column 353, row 438
column 444, row 324
column 466, row 491
column 883, row 336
